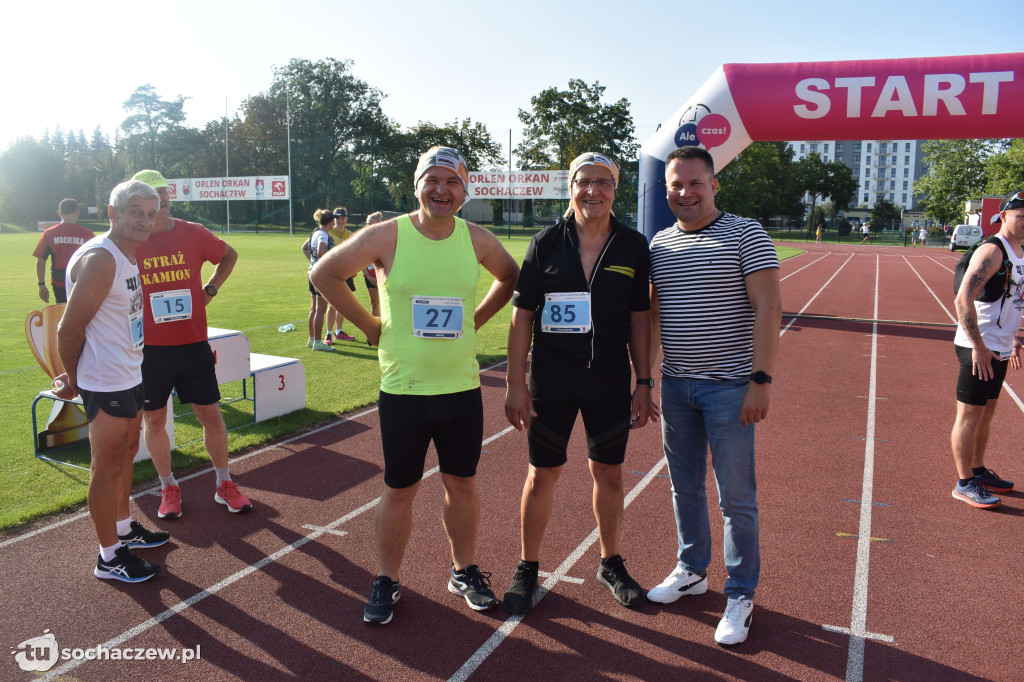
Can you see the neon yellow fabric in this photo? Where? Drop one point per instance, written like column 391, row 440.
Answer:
column 426, row 267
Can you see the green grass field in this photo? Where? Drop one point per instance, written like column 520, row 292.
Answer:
column 266, row 290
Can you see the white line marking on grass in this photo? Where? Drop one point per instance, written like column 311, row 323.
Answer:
column 235, row 577
column 512, row 622
column 155, row 490
column 807, row 305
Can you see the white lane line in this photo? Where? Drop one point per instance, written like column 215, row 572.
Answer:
column 811, row 300
column 512, row 622
column 339, row 533
column 805, row 267
column 234, row 460
column 564, row 578
column 149, row 491
column 930, row 291
column 235, row 577
column 859, row 614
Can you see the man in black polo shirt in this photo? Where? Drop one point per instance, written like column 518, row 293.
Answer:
column 583, row 299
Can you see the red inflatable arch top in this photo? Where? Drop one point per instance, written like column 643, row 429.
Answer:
column 977, row 96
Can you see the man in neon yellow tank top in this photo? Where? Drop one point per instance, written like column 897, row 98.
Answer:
column 427, row 265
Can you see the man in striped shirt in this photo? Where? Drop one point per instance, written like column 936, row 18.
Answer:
column 716, row 309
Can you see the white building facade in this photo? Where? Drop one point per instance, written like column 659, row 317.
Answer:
column 885, row 169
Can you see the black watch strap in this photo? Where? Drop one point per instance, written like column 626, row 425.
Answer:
column 761, row 378
column 645, row 382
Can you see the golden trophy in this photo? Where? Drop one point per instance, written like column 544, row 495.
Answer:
column 68, row 424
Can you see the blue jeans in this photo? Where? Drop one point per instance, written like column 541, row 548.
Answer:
column 697, row 413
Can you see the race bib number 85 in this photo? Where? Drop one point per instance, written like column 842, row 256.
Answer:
column 566, row 312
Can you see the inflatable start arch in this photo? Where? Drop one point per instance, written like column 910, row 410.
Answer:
column 978, row 96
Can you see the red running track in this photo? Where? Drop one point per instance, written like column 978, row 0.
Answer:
column 870, row 569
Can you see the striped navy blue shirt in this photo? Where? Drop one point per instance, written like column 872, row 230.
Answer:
column 706, row 318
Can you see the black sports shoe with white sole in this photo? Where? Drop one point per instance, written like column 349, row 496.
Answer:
column 474, row 586
column 125, row 566
column 139, row 537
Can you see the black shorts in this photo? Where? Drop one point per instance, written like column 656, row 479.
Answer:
column 370, row 284
column 60, row 294
column 351, row 282
column 454, row 421
column 125, row 404
column 970, row 389
column 312, row 289
column 188, row 369
column 604, row 399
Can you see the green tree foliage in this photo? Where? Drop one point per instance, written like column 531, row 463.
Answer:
column 760, row 183
column 32, row 174
column 885, row 215
column 149, row 117
column 956, row 173
column 825, row 179
column 472, row 139
column 562, row 124
column 334, row 116
column 1005, row 170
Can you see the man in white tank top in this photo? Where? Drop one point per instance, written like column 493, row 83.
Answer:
column 100, row 341
column 986, row 344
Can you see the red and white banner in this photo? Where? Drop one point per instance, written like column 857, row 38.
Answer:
column 931, row 98
column 240, row 188
column 548, row 184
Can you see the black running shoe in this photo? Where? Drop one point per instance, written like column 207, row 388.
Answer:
column 613, row 575
column 139, row 537
column 124, row 566
column 474, row 586
column 380, row 607
column 518, row 597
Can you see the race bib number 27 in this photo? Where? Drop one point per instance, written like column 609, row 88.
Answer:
column 437, row 317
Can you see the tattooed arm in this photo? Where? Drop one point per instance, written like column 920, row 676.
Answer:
column 984, row 264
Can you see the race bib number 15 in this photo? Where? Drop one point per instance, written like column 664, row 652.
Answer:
column 169, row 306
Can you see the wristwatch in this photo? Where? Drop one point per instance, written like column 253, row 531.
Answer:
column 210, row 290
column 761, row 378
column 645, row 382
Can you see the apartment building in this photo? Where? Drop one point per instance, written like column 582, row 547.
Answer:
column 885, row 169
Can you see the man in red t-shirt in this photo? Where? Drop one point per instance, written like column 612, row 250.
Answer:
column 177, row 355
column 59, row 242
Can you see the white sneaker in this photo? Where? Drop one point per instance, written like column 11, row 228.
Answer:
column 735, row 623
column 679, row 583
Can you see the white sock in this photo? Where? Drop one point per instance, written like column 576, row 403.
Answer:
column 168, row 480
column 222, row 475
column 124, row 527
column 108, row 553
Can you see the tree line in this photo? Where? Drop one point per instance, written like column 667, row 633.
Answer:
column 346, row 151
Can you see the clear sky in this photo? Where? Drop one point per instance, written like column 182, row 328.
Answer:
column 73, row 64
